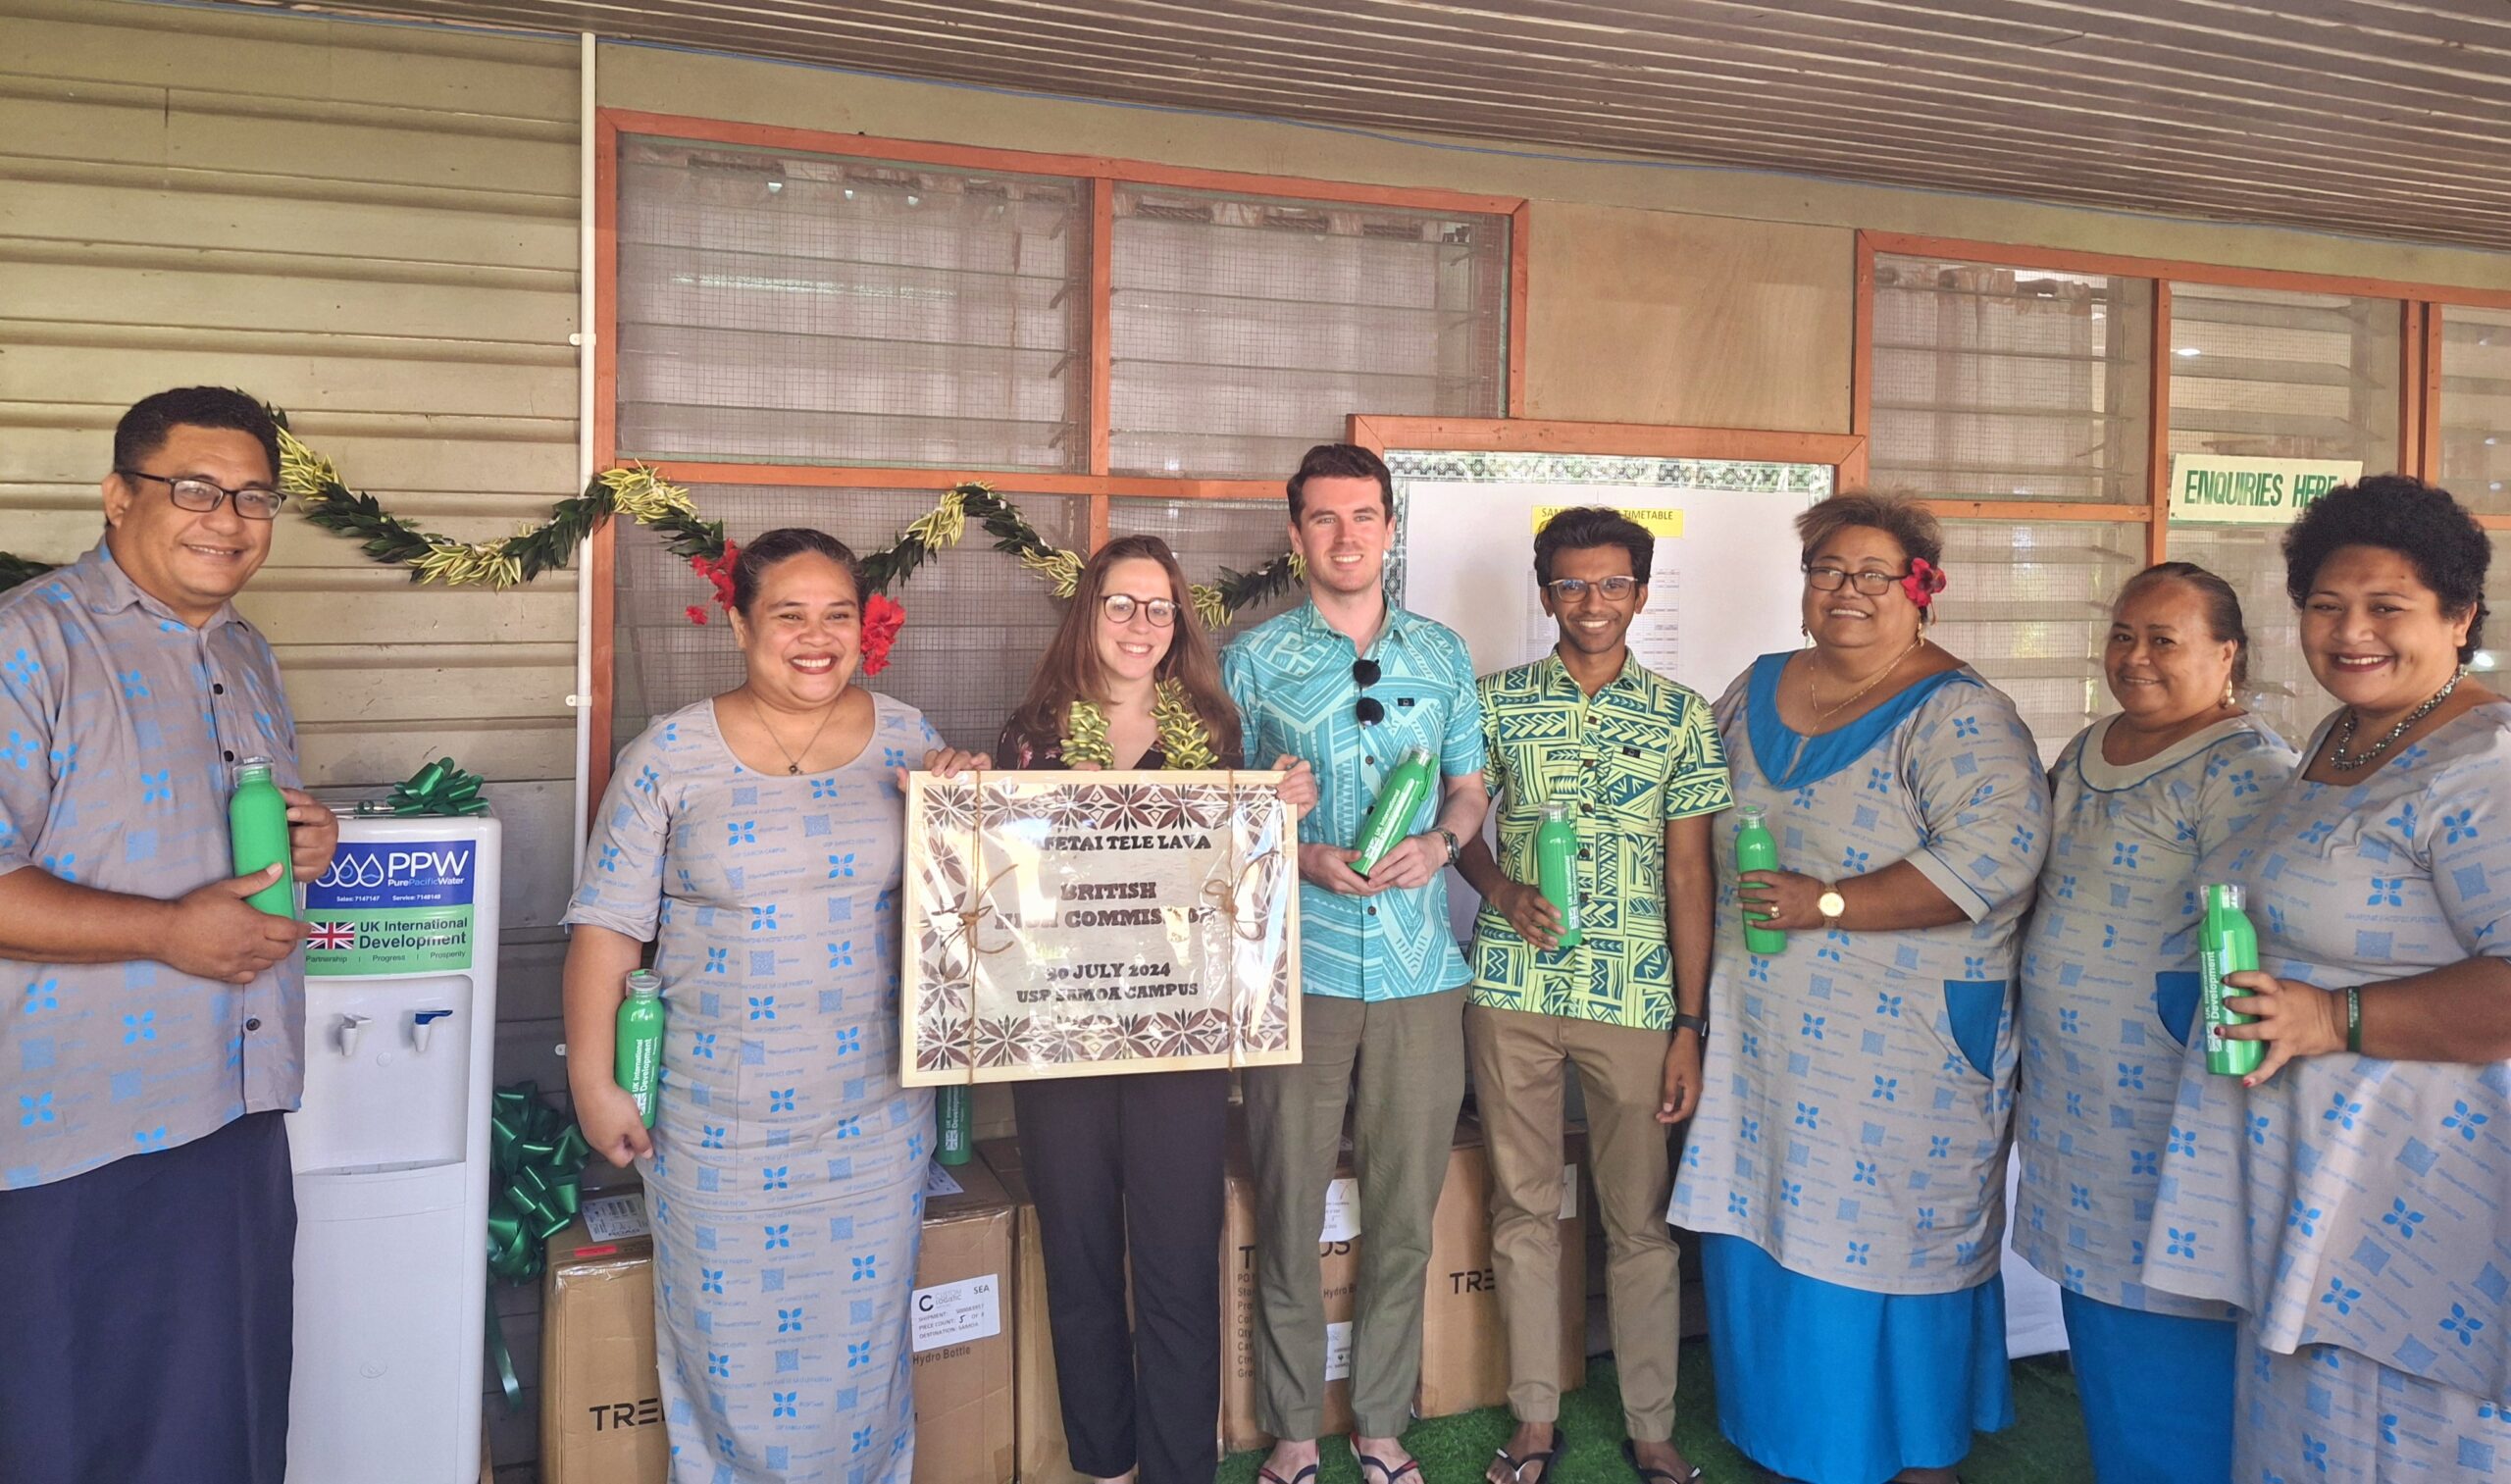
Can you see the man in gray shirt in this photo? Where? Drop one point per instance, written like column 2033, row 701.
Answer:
column 152, row 1023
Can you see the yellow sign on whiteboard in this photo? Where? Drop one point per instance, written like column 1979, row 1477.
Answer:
column 1660, row 520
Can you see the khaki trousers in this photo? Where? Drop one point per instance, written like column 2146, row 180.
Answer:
column 1408, row 1056
column 1517, row 1064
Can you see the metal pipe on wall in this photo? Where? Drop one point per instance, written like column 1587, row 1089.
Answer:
column 587, row 142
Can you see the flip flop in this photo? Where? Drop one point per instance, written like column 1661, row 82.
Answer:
column 1647, row 1475
column 1387, row 1475
column 1302, row 1477
column 1517, row 1467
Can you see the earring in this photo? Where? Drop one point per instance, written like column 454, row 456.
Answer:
column 2228, row 694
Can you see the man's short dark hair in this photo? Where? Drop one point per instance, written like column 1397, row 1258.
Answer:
column 1586, row 526
column 1344, row 461
column 151, row 420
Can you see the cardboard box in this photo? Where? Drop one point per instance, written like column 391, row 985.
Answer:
column 1338, row 1250
column 1464, row 1352
column 1037, row 1402
column 962, row 1331
column 601, row 1406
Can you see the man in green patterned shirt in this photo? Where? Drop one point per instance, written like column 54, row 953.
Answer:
column 1636, row 757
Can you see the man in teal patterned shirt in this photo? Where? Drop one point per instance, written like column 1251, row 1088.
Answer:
column 1637, row 760
column 1350, row 683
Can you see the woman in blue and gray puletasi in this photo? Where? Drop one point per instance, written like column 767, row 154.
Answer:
column 756, row 839
column 1847, row 1166
column 2109, row 991
column 2350, row 1197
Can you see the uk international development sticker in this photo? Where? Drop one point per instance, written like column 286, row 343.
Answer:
column 392, row 907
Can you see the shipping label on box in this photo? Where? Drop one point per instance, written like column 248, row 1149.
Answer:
column 1338, row 1352
column 1342, row 1210
column 954, row 1313
column 616, row 1218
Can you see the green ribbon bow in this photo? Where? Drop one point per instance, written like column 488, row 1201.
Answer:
column 439, row 787
column 536, row 1160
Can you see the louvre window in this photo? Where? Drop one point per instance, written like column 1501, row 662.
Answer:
column 2008, row 384
column 783, row 308
column 1244, row 329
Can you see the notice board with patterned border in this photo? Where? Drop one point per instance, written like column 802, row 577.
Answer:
column 1063, row 924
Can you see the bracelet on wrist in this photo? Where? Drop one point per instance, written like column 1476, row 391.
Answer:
column 2354, row 1019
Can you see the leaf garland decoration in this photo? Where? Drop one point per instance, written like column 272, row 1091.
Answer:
column 635, row 492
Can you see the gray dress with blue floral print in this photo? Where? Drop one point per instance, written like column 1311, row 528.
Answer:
column 787, row 1183
column 2109, row 989
column 2355, row 1209
column 1859, row 1086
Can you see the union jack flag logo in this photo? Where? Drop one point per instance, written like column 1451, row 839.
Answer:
column 331, row 934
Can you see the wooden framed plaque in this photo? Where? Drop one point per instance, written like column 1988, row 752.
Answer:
column 1063, row 924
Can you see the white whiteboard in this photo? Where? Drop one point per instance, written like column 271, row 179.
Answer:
column 1721, row 593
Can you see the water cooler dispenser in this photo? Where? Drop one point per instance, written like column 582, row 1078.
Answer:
column 391, row 1154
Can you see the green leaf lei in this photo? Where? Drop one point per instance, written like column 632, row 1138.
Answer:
column 1184, row 740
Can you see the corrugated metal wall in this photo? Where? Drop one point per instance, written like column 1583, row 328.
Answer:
column 372, row 227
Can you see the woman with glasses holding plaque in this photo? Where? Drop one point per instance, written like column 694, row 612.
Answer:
column 1847, row 1169
column 1130, row 1165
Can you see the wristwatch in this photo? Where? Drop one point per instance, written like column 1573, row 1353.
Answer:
column 1449, row 835
column 1832, row 906
column 1698, row 1023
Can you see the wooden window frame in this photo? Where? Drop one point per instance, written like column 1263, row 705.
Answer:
column 2422, row 307
column 1101, row 175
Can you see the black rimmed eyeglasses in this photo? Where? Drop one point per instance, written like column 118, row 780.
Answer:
column 252, row 502
column 1370, row 710
column 1871, row 584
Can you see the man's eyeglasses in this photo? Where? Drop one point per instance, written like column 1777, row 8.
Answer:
column 1569, row 589
column 1120, row 608
column 252, row 502
column 1370, row 710
column 1871, row 584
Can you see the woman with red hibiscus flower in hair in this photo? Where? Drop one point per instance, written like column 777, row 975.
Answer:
column 1847, row 1172
column 756, row 839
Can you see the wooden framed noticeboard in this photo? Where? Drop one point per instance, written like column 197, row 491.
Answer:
column 1062, row 924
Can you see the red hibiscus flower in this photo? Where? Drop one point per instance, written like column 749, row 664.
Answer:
column 882, row 621
column 718, row 572
column 1924, row 581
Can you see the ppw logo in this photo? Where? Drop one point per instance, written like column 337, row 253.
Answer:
column 372, row 866
column 382, row 875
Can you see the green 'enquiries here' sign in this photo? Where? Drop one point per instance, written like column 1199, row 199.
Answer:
column 2235, row 490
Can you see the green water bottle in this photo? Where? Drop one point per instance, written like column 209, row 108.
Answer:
column 1555, row 868
column 2227, row 945
column 1391, row 818
column 1757, row 851
column 638, row 1061
column 257, row 828
column 954, row 1110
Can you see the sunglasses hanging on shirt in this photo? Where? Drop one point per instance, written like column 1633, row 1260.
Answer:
column 1370, row 710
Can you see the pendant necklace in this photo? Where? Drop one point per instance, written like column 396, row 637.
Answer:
column 794, row 764
column 1814, row 693
column 2352, row 762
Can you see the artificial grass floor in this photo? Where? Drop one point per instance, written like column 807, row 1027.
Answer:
column 2044, row 1445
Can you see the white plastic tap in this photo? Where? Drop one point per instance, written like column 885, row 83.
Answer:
column 423, row 1026
column 350, row 1027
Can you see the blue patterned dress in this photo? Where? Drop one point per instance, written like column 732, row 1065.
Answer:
column 2358, row 1211
column 1847, row 1165
column 788, row 1174
column 2109, row 989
